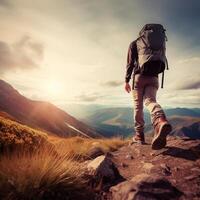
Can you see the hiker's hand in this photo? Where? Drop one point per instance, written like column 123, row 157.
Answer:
column 127, row 87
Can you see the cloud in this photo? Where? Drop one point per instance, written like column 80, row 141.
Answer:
column 182, row 98
column 112, row 83
column 188, row 84
column 26, row 53
column 189, row 60
column 102, row 30
column 89, row 97
column 4, row 3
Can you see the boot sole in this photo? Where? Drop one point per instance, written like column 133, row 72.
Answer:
column 160, row 140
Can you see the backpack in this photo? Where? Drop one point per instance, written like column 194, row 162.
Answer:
column 151, row 48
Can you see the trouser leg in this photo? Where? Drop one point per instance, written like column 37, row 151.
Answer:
column 138, row 111
column 161, row 126
column 150, row 102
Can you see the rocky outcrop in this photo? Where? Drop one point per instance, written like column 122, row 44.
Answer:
column 170, row 173
column 145, row 187
column 103, row 173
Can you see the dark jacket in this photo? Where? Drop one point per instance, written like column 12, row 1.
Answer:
column 132, row 61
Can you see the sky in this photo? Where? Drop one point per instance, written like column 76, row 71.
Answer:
column 74, row 51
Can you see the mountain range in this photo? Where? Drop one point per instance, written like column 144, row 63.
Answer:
column 88, row 120
column 119, row 121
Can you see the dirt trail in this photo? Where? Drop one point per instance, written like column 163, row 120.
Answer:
column 178, row 163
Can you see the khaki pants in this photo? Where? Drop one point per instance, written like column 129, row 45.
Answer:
column 144, row 90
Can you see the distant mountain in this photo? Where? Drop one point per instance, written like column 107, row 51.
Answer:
column 113, row 121
column 38, row 114
column 81, row 111
column 86, row 111
column 191, row 130
column 190, row 112
column 119, row 121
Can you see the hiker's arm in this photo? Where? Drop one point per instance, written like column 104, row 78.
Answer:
column 131, row 62
column 131, row 57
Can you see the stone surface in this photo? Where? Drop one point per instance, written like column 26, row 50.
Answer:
column 129, row 156
column 166, row 170
column 146, row 187
column 176, row 168
column 147, row 167
column 104, row 173
column 94, row 164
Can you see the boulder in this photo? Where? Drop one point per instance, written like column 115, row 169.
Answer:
column 103, row 173
column 94, row 164
column 145, row 187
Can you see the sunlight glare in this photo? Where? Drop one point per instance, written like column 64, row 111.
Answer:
column 54, row 87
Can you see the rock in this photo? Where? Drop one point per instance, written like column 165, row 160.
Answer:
column 151, row 187
column 152, row 154
column 95, row 152
column 166, row 170
column 173, row 181
column 104, row 173
column 129, row 156
column 176, row 169
column 197, row 169
column 124, row 165
column 139, row 177
column 147, row 167
column 94, row 164
column 191, row 177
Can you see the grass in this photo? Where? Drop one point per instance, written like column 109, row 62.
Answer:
column 14, row 135
column 43, row 174
column 51, row 170
column 80, row 147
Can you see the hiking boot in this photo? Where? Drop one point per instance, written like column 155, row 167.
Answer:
column 138, row 138
column 161, row 129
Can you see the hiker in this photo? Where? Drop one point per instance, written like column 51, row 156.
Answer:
column 146, row 60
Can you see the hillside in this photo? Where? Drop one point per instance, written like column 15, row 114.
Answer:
column 191, row 131
column 14, row 135
column 42, row 115
column 37, row 165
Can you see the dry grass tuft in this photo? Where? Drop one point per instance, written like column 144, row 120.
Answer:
column 43, row 174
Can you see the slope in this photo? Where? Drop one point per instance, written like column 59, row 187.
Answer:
column 40, row 114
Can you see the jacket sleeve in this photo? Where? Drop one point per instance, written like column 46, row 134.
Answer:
column 131, row 60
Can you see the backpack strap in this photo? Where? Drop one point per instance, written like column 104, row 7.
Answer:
column 167, row 66
column 133, row 83
column 163, row 74
column 162, row 83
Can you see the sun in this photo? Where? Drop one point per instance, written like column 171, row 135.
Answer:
column 54, row 87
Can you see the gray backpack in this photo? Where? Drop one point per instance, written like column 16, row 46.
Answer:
column 151, row 48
